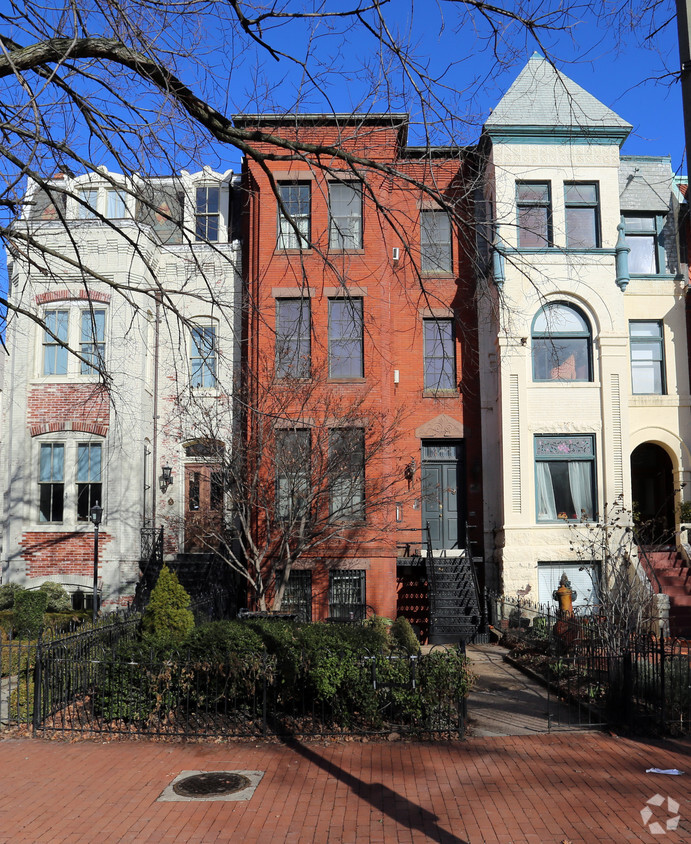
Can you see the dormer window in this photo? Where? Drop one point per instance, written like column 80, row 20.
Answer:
column 207, row 214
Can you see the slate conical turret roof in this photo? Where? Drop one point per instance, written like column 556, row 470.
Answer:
column 543, row 103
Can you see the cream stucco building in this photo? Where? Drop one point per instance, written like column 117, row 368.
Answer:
column 584, row 362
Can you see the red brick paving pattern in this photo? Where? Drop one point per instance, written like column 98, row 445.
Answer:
column 582, row 788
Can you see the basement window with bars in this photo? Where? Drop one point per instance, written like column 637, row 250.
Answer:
column 347, row 591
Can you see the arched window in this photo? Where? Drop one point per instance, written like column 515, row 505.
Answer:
column 561, row 344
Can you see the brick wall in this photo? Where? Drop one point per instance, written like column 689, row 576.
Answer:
column 396, row 297
column 61, row 553
column 65, row 407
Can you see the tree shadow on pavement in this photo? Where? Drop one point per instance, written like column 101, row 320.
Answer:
column 383, row 798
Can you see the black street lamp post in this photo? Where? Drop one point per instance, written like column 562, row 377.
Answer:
column 96, row 514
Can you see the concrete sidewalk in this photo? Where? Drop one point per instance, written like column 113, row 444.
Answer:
column 506, row 702
column 576, row 787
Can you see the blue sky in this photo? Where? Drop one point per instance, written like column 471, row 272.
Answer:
column 630, row 73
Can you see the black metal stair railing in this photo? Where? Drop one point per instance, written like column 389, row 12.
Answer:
column 454, row 594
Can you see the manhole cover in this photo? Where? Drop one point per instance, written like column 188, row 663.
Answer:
column 210, row 785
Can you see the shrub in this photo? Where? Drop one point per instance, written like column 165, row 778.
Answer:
column 29, row 608
column 404, row 636
column 7, row 593
column 167, row 616
column 57, row 598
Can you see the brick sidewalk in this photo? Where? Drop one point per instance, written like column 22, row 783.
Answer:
column 585, row 787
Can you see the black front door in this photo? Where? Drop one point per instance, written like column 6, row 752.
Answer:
column 443, row 499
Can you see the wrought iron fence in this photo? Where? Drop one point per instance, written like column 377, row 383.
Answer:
column 640, row 681
column 79, row 686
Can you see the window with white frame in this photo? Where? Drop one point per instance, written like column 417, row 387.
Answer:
column 55, row 334
column 93, row 340
column 88, row 204
column 583, row 578
column 435, row 242
column 644, row 236
column 295, row 197
column 345, row 215
column 51, row 482
column 102, row 201
column 81, row 329
column 70, row 478
column 647, row 357
column 116, row 204
column 565, row 477
column 203, row 354
column 207, row 213
column 89, row 490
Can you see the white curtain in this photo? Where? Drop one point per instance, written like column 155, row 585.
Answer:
column 546, row 507
column 581, row 491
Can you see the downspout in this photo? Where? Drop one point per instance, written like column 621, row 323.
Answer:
column 154, row 439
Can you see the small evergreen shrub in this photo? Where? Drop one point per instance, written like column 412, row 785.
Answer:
column 29, row 608
column 7, row 593
column 167, row 616
column 404, row 636
column 58, row 599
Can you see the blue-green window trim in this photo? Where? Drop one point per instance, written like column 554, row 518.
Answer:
column 561, row 346
column 576, row 200
column 533, row 200
column 640, row 231
column 565, row 477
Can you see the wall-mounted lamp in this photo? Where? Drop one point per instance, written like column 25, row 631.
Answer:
column 409, row 471
column 166, row 478
column 396, row 254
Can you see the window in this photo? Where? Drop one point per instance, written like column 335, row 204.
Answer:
column 534, row 205
column 347, row 470
column 88, row 479
column 647, row 358
column 293, row 338
column 565, row 477
column 116, row 204
column 92, row 341
column 347, row 595
column 346, row 338
column 297, row 595
column 643, row 235
column 203, row 355
column 216, row 490
column 55, row 333
column 51, row 482
column 561, row 344
column 207, row 214
column 86, row 209
column 293, row 467
column 582, row 215
column 345, row 215
column 582, row 576
column 435, row 242
column 440, row 355
column 296, row 199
